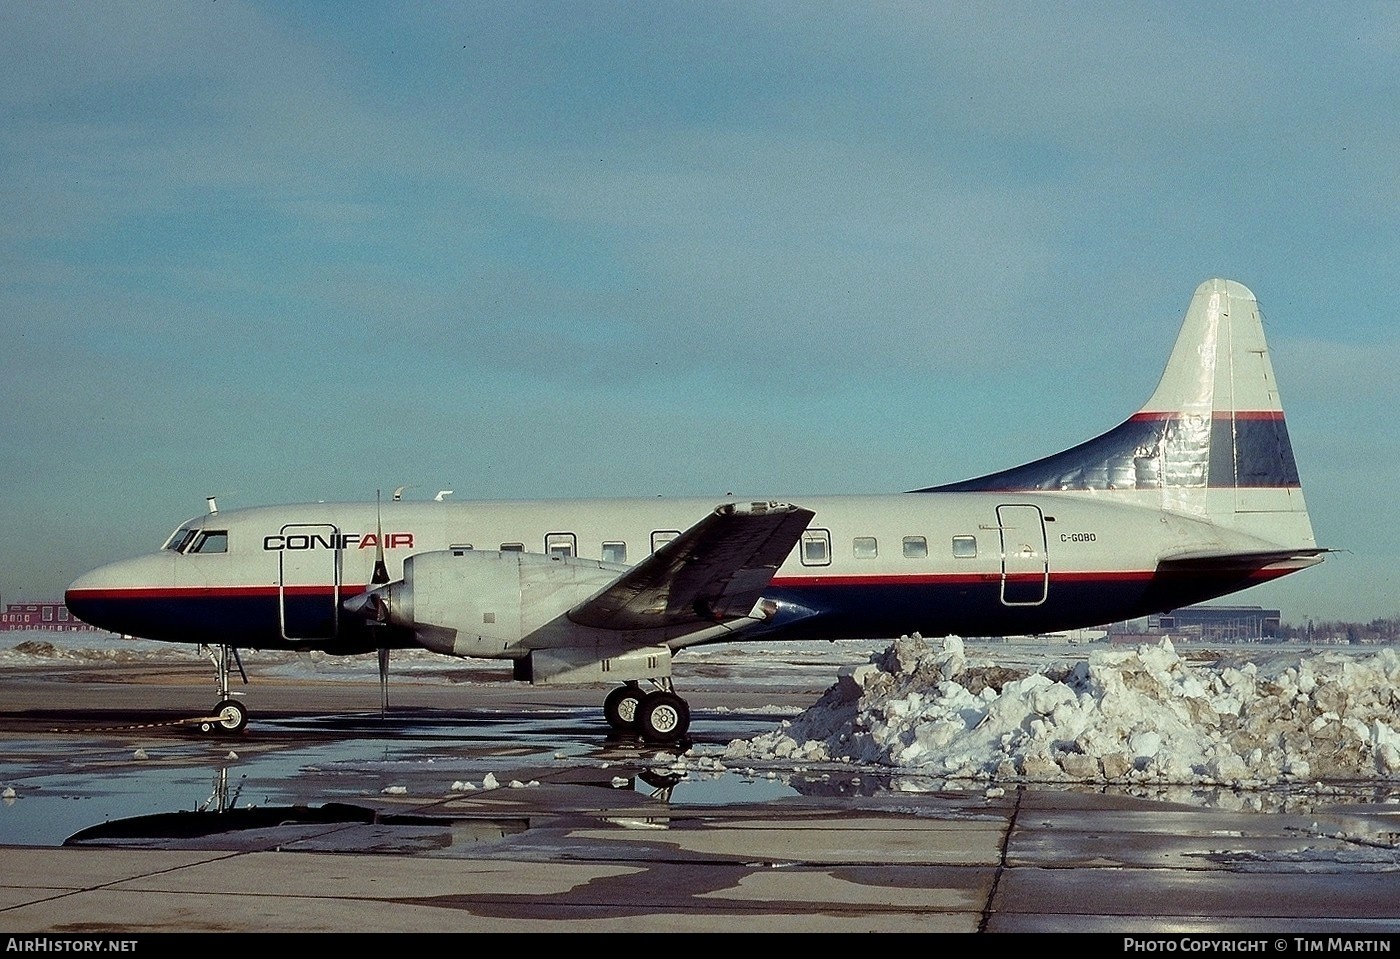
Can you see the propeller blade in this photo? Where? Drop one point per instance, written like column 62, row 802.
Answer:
column 374, row 602
column 383, row 682
column 380, row 576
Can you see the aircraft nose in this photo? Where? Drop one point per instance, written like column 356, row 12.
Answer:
column 81, row 594
column 99, row 597
column 86, row 583
column 81, row 598
column 142, row 572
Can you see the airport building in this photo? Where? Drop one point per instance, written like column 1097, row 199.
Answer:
column 1211, row 624
column 1236, row 624
column 45, row 616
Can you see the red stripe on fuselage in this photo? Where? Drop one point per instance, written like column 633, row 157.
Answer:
column 958, row 579
column 1220, row 414
column 210, row 592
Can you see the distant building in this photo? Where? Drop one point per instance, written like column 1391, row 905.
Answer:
column 1210, row 624
column 45, row 616
column 1237, row 624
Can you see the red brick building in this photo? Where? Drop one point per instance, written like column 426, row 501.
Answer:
column 45, row 616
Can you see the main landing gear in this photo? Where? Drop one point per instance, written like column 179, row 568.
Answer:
column 659, row 716
column 229, row 716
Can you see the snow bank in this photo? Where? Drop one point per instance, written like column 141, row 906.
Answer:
column 1142, row 715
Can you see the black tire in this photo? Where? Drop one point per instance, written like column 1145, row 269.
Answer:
column 620, row 708
column 232, row 716
column 663, row 717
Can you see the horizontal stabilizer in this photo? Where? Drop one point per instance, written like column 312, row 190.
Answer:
column 715, row 571
column 1241, row 559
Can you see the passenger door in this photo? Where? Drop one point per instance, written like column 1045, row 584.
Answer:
column 1025, row 567
column 308, row 581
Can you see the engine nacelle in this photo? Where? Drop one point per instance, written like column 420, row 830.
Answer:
column 483, row 603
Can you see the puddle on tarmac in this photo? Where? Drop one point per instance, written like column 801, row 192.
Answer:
column 65, row 790
column 64, row 787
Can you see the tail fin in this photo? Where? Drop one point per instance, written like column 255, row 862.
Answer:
column 1211, row 441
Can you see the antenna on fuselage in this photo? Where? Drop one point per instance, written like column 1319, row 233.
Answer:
column 213, row 506
column 442, row 495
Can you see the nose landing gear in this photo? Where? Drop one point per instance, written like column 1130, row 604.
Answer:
column 229, row 715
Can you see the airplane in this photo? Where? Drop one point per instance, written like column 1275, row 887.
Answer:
column 1195, row 496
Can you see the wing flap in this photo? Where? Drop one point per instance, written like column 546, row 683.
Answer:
column 715, row 571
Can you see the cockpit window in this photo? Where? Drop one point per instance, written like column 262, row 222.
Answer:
column 211, row 541
column 180, row 539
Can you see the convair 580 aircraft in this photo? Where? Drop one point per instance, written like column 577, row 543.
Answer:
column 1193, row 497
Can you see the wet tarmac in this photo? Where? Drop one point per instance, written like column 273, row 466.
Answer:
column 490, row 806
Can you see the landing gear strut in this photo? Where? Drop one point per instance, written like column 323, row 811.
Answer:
column 229, row 716
column 660, row 716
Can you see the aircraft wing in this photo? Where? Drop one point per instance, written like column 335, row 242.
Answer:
column 713, row 572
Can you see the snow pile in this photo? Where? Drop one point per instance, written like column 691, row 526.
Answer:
column 1142, row 715
column 47, row 647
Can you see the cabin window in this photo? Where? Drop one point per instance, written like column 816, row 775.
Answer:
column 615, row 552
column 512, row 547
column 865, row 547
column 560, row 544
column 212, row 541
column 816, row 547
column 915, row 547
column 964, row 547
column 663, row 536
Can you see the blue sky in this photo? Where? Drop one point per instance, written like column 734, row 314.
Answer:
column 300, row 251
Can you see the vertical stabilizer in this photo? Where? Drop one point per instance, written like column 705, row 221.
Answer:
column 1210, row 442
column 1225, row 442
column 1220, row 361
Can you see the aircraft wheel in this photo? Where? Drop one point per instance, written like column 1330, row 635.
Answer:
column 232, row 716
column 663, row 717
column 620, row 708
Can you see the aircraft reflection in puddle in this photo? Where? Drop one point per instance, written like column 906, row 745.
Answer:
column 298, row 823
column 219, row 822
column 220, row 816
